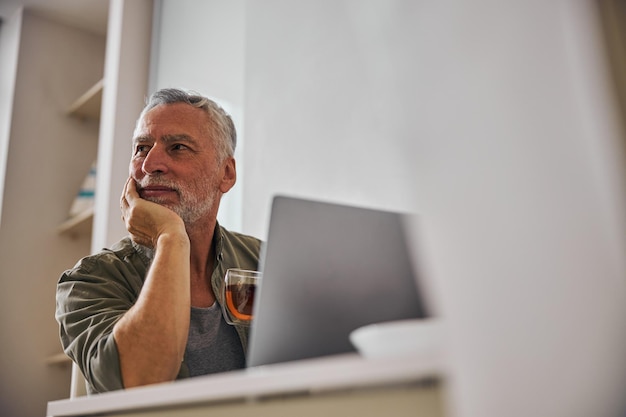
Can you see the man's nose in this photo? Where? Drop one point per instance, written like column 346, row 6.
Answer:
column 155, row 161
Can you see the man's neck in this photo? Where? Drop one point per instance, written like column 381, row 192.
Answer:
column 201, row 261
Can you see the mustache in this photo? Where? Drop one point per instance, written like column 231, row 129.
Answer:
column 156, row 182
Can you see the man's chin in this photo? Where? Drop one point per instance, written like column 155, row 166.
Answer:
column 162, row 202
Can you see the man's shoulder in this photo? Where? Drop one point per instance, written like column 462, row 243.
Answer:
column 239, row 249
column 123, row 252
column 239, row 237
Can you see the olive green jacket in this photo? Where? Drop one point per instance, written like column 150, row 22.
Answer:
column 101, row 288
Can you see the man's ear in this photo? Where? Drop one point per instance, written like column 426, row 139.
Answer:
column 229, row 175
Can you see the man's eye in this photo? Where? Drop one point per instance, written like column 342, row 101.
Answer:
column 179, row 147
column 141, row 149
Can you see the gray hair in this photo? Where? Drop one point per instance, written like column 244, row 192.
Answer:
column 222, row 127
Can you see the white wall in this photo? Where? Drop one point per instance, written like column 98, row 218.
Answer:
column 329, row 104
column 491, row 119
column 199, row 45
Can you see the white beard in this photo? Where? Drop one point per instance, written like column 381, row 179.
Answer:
column 196, row 198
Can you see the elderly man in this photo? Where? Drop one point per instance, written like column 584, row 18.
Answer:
column 147, row 310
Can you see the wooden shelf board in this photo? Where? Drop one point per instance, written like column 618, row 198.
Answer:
column 58, row 359
column 88, row 105
column 78, row 225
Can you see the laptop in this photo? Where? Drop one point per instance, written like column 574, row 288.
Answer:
column 329, row 269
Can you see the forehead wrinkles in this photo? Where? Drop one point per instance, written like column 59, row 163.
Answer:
column 168, row 129
column 177, row 116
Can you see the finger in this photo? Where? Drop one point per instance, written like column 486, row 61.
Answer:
column 130, row 190
column 123, row 201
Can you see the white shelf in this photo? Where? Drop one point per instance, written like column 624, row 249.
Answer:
column 79, row 225
column 58, row 359
column 88, row 105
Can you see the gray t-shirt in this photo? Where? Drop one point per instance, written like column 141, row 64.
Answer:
column 213, row 345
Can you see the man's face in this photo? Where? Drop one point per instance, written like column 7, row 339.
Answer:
column 175, row 162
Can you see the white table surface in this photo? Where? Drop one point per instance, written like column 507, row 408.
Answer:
column 332, row 373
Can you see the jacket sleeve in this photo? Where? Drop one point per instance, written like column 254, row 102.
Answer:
column 90, row 299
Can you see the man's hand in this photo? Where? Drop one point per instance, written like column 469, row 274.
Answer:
column 147, row 221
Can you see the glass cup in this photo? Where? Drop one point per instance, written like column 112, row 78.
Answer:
column 239, row 289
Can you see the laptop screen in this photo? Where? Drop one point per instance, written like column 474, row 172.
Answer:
column 329, row 269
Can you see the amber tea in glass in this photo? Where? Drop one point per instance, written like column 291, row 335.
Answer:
column 239, row 290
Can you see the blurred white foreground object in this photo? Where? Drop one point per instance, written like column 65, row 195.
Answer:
column 520, row 189
column 401, row 337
